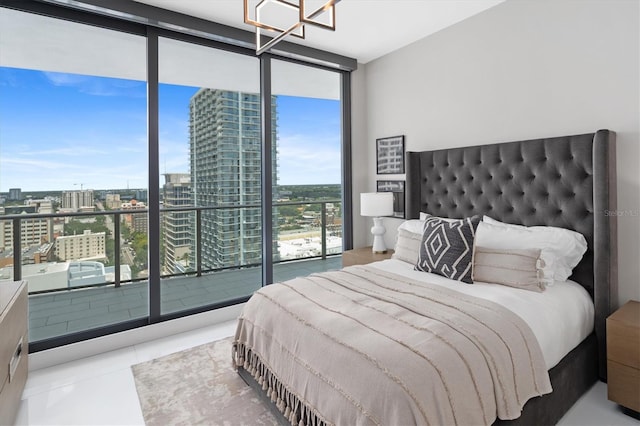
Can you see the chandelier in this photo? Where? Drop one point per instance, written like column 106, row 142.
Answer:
column 287, row 17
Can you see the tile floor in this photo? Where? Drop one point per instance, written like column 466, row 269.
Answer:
column 100, row 390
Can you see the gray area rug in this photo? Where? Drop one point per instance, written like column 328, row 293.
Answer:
column 198, row 386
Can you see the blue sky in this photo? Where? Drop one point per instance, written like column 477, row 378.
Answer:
column 63, row 131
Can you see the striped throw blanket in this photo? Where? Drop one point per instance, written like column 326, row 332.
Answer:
column 365, row 346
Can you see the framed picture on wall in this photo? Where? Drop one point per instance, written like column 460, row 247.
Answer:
column 390, row 155
column 397, row 187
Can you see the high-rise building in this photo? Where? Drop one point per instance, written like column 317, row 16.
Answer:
column 225, row 153
column 77, row 200
column 178, row 226
column 15, row 194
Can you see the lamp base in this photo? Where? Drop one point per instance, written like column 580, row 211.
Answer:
column 378, row 231
column 380, row 252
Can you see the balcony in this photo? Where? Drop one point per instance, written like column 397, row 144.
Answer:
column 101, row 293
column 67, row 311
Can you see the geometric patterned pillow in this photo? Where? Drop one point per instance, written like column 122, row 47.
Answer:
column 447, row 247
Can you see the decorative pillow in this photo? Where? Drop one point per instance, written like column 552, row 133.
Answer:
column 446, row 247
column 515, row 268
column 407, row 246
column 566, row 247
column 509, row 238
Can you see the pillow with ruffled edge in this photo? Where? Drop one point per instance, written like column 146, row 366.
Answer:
column 407, row 246
column 446, row 247
column 498, row 237
column 562, row 249
column 514, row 268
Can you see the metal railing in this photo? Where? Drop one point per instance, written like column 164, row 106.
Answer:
column 17, row 220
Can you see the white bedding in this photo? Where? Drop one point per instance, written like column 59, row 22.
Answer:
column 560, row 317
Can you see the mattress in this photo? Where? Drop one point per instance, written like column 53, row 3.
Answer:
column 560, row 317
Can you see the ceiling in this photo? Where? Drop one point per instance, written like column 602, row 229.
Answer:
column 365, row 29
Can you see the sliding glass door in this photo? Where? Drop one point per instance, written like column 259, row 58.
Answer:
column 210, row 159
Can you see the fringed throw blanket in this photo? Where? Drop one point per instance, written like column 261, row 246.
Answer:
column 364, row 346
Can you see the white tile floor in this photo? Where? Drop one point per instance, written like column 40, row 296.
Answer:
column 100, row 390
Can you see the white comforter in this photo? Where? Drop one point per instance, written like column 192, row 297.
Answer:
column 560, row 317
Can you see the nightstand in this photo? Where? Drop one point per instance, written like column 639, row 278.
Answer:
column 623, row 356
column 362, row 256
column 13, row 347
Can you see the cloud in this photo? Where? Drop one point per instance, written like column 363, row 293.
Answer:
column 75, row 151
column 23, row 165
column 97, row 86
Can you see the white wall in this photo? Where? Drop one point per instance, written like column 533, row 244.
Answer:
column 521, row 70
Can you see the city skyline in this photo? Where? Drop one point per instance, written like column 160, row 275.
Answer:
column 106, row 148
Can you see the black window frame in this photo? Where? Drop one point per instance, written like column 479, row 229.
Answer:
column 150, row 22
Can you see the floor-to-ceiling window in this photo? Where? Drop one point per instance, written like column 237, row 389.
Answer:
column 132, row 174
column 307, row 183
column 210, row 159
column 73, row 146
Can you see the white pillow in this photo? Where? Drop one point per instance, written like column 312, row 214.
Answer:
column 499, row 237
column 414, row 226
column 425, row 216
column 562, row 247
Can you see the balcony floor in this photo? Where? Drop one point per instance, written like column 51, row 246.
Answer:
column 69, row 311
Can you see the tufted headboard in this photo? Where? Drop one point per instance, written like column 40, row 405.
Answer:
column 567, row 181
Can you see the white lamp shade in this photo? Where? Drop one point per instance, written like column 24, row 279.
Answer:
column 376, row 204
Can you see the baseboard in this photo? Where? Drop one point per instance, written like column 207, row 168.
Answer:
column 99, row 345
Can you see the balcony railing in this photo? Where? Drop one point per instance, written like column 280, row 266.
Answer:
column 313, row 228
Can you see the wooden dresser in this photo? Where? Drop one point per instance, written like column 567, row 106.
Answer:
column 362, row 256
column 14, row 348
column 623, row 356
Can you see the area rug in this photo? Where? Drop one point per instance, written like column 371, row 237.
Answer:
column 198, row 386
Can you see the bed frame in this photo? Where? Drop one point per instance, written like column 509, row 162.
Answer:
column 567, row 182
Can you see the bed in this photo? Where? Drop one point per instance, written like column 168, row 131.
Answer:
column 566, row 182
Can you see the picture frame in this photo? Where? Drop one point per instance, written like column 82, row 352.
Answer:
column 390, row 155
column 397, row 187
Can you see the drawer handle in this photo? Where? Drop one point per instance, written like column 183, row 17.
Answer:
column 15, row 360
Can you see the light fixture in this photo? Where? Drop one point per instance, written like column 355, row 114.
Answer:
column 302, row 15
column 377, row 204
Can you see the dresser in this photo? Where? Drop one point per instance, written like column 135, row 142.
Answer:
column 13, row 348
column 362, row 256
column 623, row 356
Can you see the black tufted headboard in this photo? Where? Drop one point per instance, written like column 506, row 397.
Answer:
column 568, row 182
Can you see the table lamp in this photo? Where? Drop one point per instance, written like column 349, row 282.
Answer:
column 376, row 205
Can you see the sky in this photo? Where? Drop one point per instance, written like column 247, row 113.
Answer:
column 63, row 131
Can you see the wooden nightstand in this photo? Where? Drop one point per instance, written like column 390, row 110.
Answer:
column 362, row 256
column 13, row 347
column 623, row 356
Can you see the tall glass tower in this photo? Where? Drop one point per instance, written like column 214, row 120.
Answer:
column 225, row 173
column 178, row 242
